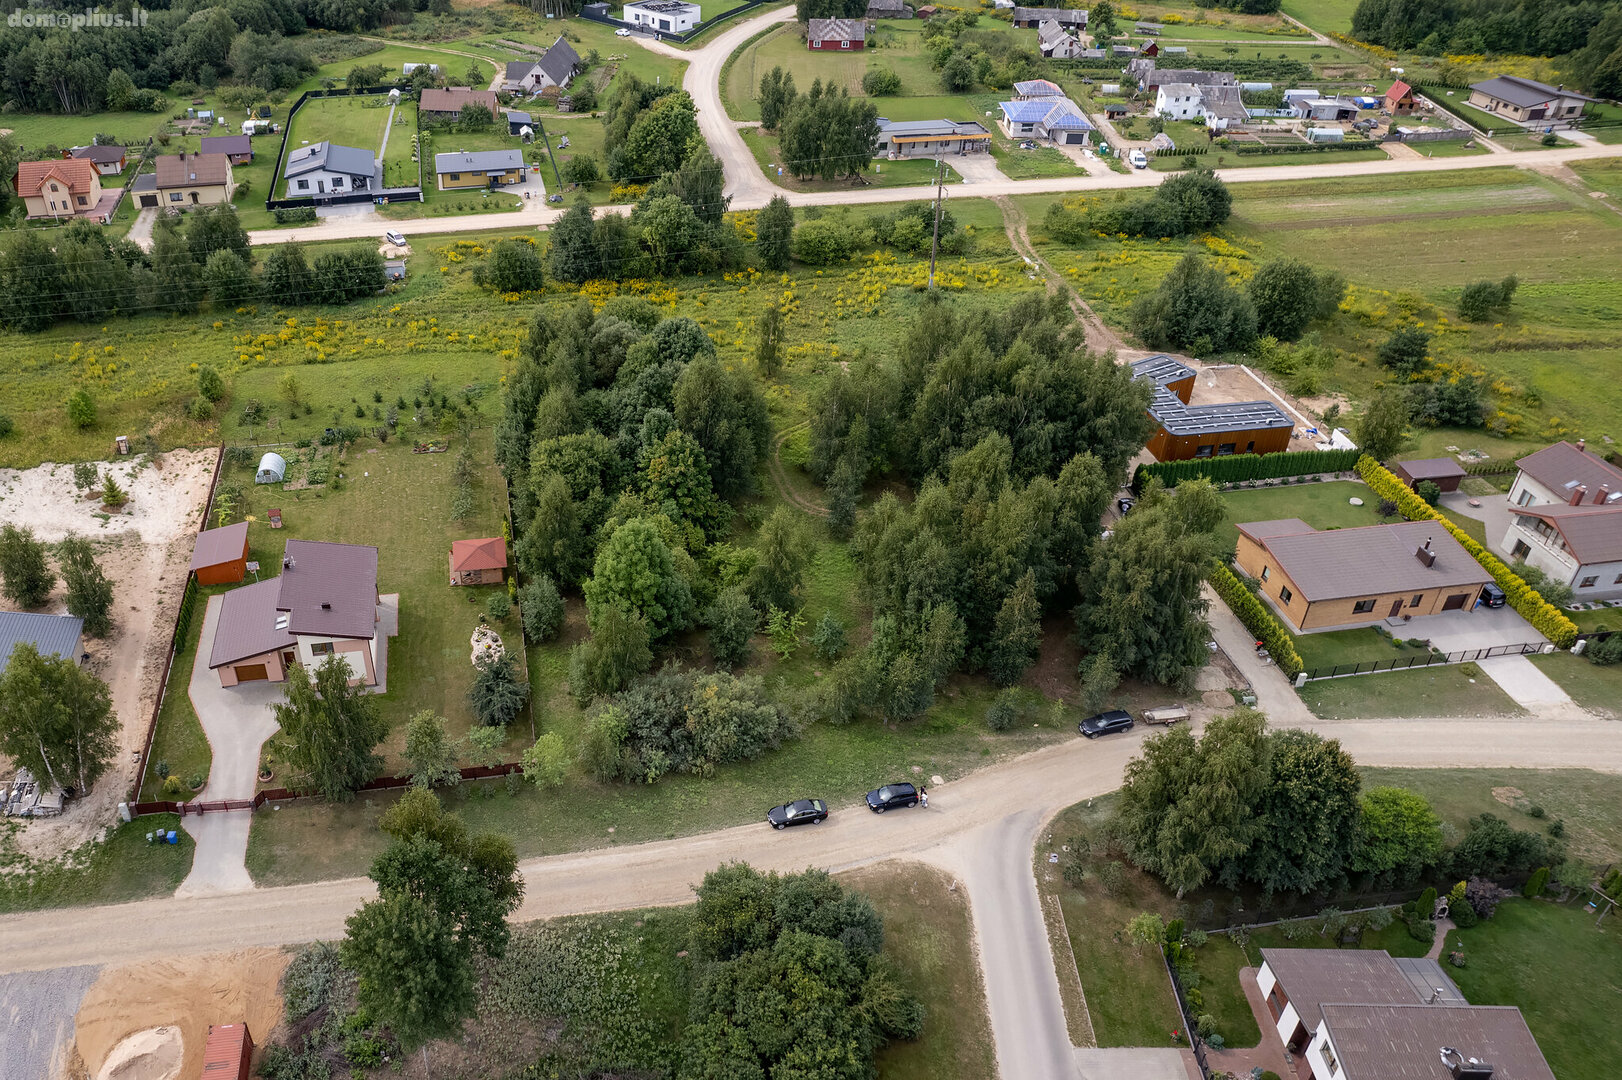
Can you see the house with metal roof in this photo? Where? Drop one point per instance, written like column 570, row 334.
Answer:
column 1351, row 1014
column 220, row 556
column 1527, row 101
column 1029, row 89
column 1358, row 577
column 324, row 603
column 50, row 635
column 325, row 168
column 1031, row 17
column 846, row 34
column 1566, row 519
column 481, row 168
column 1218, row 429
column 442, row 105
column 674, row 16
column 1055, row 119
column 931, row 138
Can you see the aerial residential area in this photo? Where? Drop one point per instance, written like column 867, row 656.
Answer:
column 862, row 540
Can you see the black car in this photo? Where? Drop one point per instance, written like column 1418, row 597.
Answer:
column 1105, row 723
column 804, row 812
column 890, row 796
column 1492, row 596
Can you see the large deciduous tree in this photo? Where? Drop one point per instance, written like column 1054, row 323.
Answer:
column 56, row 719
column 1195, row 308
column 28, row 577
column 90, row 594
column 1309, row 809
column 1398, row 833
column 636, row 573
column 1288, row 295
column 724, row 410
column 330, row 730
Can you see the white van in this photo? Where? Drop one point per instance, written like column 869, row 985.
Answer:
column 1139, row 159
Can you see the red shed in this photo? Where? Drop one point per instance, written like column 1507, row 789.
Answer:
column 221, row 555
column 228, row 1053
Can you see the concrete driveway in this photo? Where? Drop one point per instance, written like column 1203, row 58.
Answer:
column 237, row 721
column 976, row 168
column 1456, row 631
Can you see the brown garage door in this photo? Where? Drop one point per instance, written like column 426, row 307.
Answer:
column 1454, row 603
column 252, row 673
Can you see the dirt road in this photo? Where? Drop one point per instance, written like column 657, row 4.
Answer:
column 663, row 873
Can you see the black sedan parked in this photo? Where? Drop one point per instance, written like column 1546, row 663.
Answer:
column 804, row 812
column 1106, row 722
column 890, row 796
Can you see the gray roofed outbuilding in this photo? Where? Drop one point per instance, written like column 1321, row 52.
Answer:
column 51, row 635
column 1431, row 468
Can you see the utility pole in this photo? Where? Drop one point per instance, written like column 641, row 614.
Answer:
column 935, row 243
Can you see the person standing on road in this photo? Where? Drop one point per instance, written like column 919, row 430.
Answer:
column 923, row 798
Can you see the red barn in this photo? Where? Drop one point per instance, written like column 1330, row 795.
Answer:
column 221, row 555
column 846, row 34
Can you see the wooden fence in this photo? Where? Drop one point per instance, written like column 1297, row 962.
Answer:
column 280, row 795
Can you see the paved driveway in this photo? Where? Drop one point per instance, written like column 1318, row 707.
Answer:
column 237, row 721
column 1455, row 631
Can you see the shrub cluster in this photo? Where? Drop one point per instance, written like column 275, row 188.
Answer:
column 1262, row 623
column 1545, row 618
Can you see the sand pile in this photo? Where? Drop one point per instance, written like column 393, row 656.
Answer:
column 153, row 1054
column 185, row 995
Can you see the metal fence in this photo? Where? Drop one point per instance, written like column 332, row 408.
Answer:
column 1432, row 658
column 1194, row 1041
column 329, row 199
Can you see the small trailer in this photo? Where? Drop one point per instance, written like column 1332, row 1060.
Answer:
column 1171, row 714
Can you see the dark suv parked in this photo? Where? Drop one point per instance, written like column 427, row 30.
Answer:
column 1105, row 723
column 892, row 795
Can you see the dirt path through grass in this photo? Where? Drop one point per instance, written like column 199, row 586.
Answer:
column 774, row 465
column 1100, row 338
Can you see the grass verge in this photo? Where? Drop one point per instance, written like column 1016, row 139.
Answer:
column 1450, row 690
column 121, row 868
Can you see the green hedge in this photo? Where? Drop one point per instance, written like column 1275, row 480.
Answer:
column 1262, row 623
column 1236, row 468
column 1545, row 618
column 293, row 215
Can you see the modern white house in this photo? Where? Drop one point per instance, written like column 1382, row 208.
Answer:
column 1353, row 1014
column 665, row 16
column 326, row 168
column 1566, row 519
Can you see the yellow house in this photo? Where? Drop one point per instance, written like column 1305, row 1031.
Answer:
column 1358, row 577
column 57, row 189
column 480, row 169
column 186, row 180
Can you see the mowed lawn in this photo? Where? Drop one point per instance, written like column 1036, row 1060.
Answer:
column 1325, row 16
column 929, row 936
column 1594, row 687
column 399, row 502
column 1443, row 690
column 1562, row 971
column 347, row 121
column 1323, row 506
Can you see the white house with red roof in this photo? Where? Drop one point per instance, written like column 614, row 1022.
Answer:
column 1566, row 519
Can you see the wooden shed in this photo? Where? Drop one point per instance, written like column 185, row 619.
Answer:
column 221, row 555
column 478, row 562
column 1445, row 473
column 228, row 1053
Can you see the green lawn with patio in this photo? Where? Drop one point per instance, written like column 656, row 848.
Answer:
column 1321, row 505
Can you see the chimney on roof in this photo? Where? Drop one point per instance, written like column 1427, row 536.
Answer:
column 325, row 606
column 1425, row 554
column 1582, row 446
column 287, row 562
column 1602, row 495
column 1577, row 494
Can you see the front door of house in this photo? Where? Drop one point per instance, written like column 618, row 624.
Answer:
column 321, row 186
column 1396, row 607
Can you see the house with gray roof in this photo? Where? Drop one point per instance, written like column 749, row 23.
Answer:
column 1338, row 578
column 324, row 603
column 1527, row 101
column 1057, row 42
column 50, row 635
column 930, row 138
column 559, row 64
column 1353, row 1014
column 325, row 168
column 479, row 168
column 1566, row 519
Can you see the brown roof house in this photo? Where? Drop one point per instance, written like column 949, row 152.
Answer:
column 59, row 188
column 1358, row 577
column 440, row 105
column 325, row 603
column 186, row 180
column 1566, row 519
column 1352, row 1014
column 239, row 148
column 1444, row 472
column 478, row 562
column 221, row 555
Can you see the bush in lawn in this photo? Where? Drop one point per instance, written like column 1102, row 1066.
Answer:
column 881, row 82
column 81, row 409
column 499, row 606
column 732, row 621
column 7, row 425
column 581, row 169
column 541, row 608
column 1483, row 896
column 430, row 752
column 1006, row 710
column 199, row 409
column 513, row 266
column 498, row 694
column 210, row 384
column 1605, row 653
column 1463, row 914
column 828, row 639
column 547, row 761
column 1481, row 300
column 1422, row 930
column 1428, row 490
